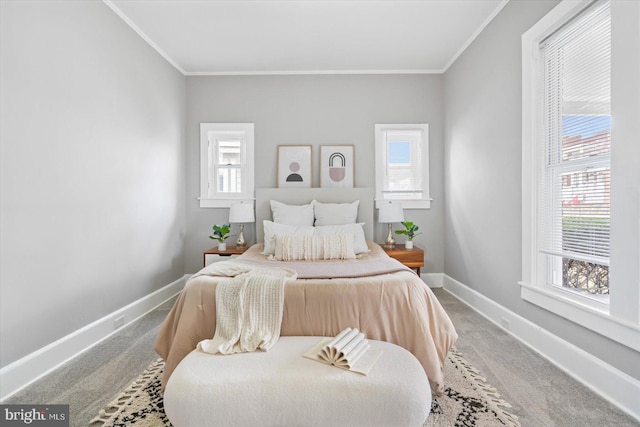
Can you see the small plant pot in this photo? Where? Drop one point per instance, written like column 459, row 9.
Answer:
column 408, row 244
column 222, row 246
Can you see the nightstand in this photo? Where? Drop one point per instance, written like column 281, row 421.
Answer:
column 214, row 255
column 412, row 258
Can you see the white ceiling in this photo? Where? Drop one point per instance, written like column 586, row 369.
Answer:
column 308, row 36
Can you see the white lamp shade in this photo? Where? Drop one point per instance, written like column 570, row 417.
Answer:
column 241, row 212
column 390, row 212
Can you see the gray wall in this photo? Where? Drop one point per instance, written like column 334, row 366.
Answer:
column 483, row 177
column 315, row 110
column 92, row 140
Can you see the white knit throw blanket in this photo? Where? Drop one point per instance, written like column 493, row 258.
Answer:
column 249, row 305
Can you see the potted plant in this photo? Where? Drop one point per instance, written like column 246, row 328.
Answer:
column 410, row 231
column 221, row 233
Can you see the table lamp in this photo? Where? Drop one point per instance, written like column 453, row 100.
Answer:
column 389, row 213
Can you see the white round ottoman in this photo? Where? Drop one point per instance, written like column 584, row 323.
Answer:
column 280, row 387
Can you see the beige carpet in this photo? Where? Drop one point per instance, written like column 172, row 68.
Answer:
column 467, row 401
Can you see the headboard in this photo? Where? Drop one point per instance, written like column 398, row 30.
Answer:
column 302, row 196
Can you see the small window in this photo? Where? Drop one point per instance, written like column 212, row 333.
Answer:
column 226, row 163
column 402, row 163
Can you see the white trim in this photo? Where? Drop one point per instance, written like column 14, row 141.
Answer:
column 146, row 38
column 222, row 203
column 475, row 35
column 308, row 72
column 584, row 314
column 407, row 204
column 603, row 379
column 433, row 280
column 554, row 20
column 30, row 368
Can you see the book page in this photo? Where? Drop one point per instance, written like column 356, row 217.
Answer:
column 355, row 341
column 362, row 366
column 328, row 352
column 351, row 358
column 345, row 340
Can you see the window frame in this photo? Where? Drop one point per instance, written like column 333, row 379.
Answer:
column 381, row 165
column 619, row 318
column 214, row 199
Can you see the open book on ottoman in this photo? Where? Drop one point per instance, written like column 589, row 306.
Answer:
column 349, row 350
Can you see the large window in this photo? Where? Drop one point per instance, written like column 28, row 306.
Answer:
column 574, row 188
column 226, row 163
column 579, row 141
column 402, row 164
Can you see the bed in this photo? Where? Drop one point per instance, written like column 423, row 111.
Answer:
column 372, row 292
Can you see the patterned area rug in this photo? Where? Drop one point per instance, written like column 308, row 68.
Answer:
column 467, row 401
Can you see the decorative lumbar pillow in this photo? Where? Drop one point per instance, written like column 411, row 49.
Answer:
column 335, row 213
column 291, row 214
column 272, row 229
column 359, row 241
column 312, row 248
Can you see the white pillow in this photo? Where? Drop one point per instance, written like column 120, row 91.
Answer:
column 335, row 213
column 359, row 241
column 272, row 229
column 292, row 214
column 310, row 248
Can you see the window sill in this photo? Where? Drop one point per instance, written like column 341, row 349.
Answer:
column 407, row 204
column 222, row 203
column 585, row 314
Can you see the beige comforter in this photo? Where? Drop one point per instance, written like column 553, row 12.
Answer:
column 375, row 293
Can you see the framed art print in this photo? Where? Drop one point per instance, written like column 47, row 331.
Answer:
column 294, row 166
column 337, row 166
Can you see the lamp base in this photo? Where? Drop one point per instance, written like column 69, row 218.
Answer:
column 241, row 242
column 390, row 242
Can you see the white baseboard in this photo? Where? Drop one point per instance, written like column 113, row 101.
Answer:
column 28, row 369
column 434, row 280
column 603, row 379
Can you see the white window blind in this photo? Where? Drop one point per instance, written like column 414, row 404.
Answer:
column 574, row 183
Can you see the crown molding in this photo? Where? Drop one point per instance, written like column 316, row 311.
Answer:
column 475, row 35
column 146, row 38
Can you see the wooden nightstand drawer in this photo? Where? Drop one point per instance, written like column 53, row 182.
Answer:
column 412, row 258
column 215, row 255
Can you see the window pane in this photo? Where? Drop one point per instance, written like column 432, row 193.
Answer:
column 229, row 179
column 229, row 152
column 399, row 152
column 585, row 277
column 585, row 136
column 585, row 215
